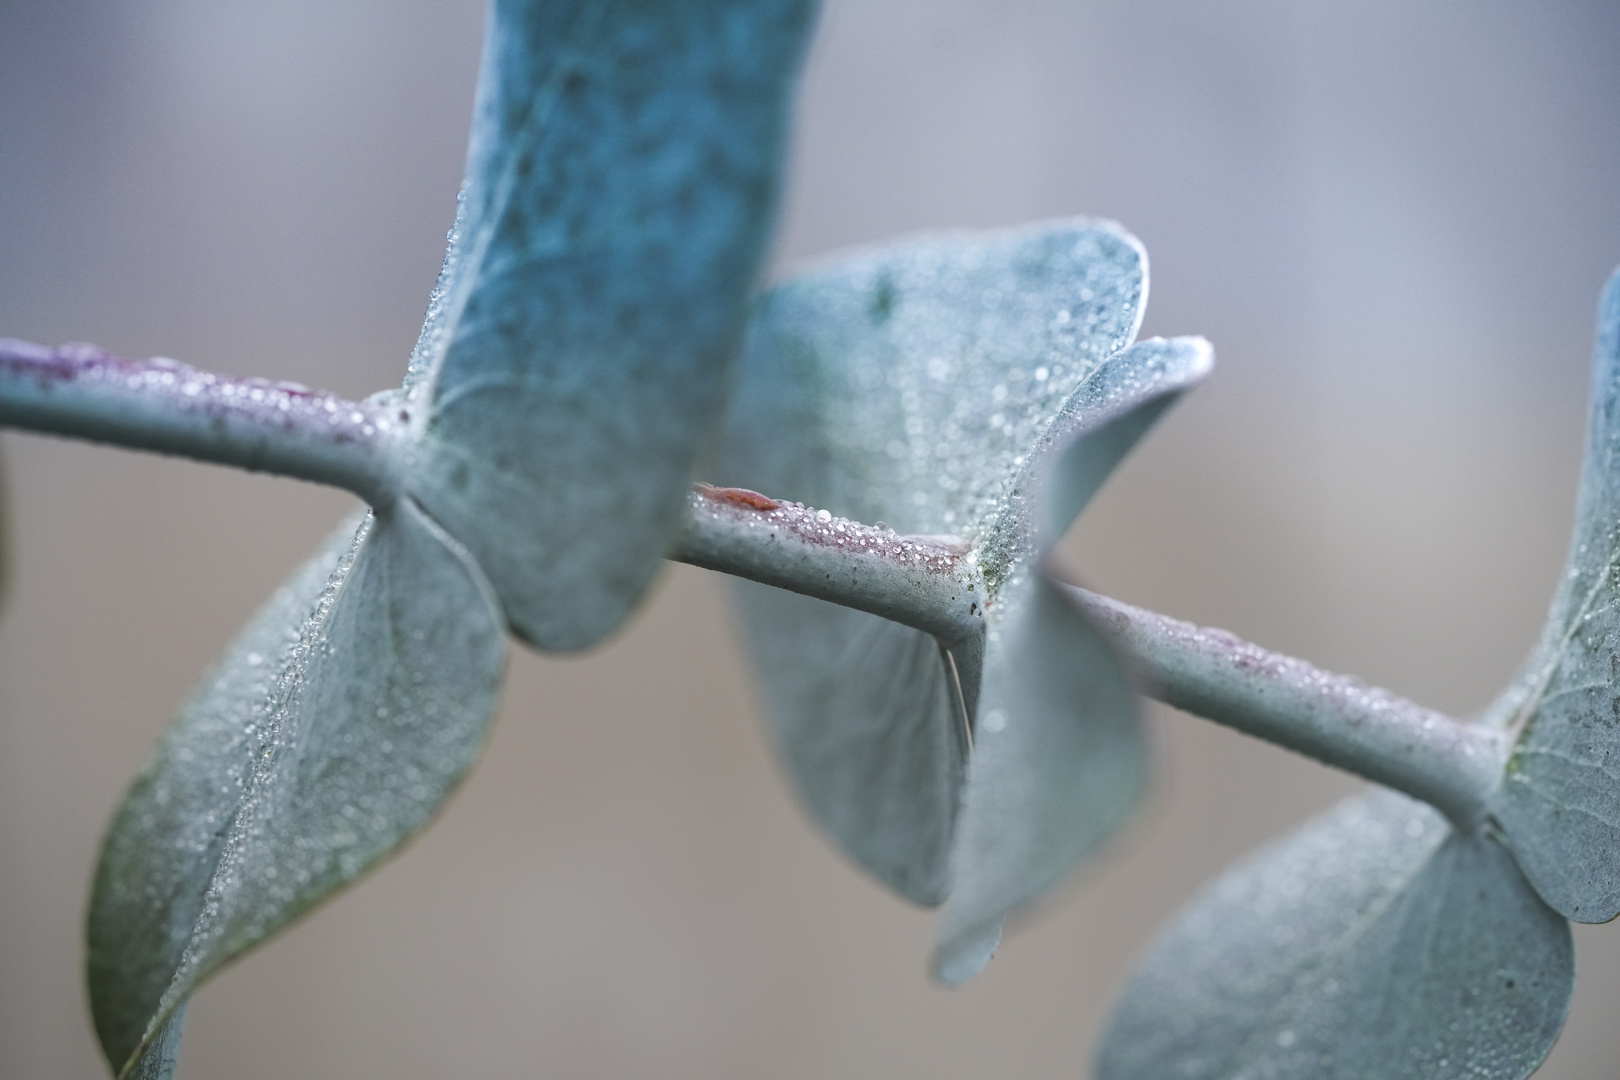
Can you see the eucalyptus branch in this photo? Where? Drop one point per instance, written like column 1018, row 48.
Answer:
column 1452, row 766
column 932, row 583
column 277, row 427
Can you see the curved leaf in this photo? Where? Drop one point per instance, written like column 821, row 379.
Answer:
column 333, row 729
column 1560, row 800
column 620, row 185
column 866, row 722
column 1374, row 942
column 1058, row 764
column 950, row 384
column 1098, row 425
column 907, row 385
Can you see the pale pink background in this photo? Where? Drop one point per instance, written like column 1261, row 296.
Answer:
column 1392, row 219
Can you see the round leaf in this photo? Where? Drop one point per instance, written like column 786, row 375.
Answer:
column 891, row 386
column 1375, row 942
column 907, row 385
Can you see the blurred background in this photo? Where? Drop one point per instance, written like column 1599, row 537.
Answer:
column 1392, row 218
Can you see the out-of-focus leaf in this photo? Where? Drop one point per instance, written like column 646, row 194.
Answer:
column 5, row 538
column 1559, row 803
column 620, row 186
column 1375, row 942
column 950, row 385
column 1058, row 764
column 334, row 728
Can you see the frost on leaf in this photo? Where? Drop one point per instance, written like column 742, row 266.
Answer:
column 334, row 728
column 1374, row 942
column 621, row 183
column 979, row 385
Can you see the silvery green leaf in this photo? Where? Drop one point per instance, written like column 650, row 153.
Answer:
column 620, row 187
column 907, row 385
column 935, row 339
column 1058, row 764
column 1559, row 803
column 866, row 721
column 333, row 729
column 1375, row 942
column 1097, row 426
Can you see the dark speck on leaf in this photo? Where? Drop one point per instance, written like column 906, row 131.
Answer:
column 884, row 298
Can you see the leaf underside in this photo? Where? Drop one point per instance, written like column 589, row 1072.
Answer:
column 1560, row 800
column 621, row 182
column 1374, row 942
column 334, row 728
column 1058, row 765
column 861, row 713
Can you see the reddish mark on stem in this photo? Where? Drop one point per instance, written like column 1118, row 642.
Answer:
column 738, row 496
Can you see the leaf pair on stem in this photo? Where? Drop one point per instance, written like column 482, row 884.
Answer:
column 535, row 465
column 622, row 175
column 1382, row 939
column 984, row 387
column 972, row 392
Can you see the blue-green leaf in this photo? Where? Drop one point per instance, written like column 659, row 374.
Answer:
column 620, row 187
column 865, row 718
column 949, row 385
column 333, row 729
column 1559, row 803
column 1058, row 764
column 1375, row 942
column 907, row 385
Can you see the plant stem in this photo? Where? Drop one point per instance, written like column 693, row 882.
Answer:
column 1455, row 767
column 80, row 390
column 928, row 582
column 933, row 584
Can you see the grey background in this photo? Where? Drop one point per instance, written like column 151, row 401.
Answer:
column 1393, row 220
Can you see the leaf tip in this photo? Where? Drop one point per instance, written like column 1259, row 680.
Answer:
column 962, row 956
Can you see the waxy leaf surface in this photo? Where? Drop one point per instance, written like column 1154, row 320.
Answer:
column 924, row 387
column 907, row 385
column 864, row 715
column 899, row 386
column 1375, row 942
column 333, row 729
column 1058, row 764
column 620, row 188
column 1560, row 801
